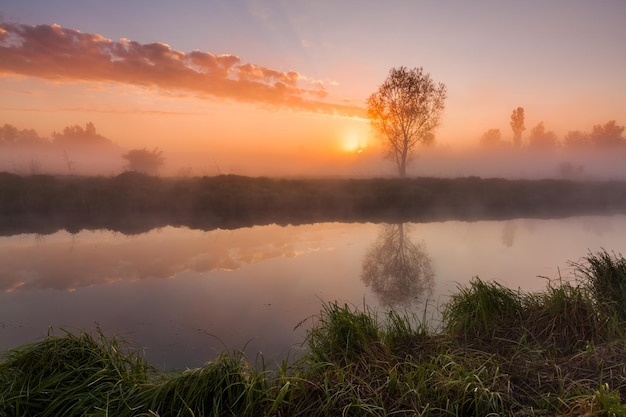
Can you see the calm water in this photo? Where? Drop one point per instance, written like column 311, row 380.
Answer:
column 180, row 293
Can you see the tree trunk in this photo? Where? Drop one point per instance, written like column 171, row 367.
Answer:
column 402, row 162
column 402, row 168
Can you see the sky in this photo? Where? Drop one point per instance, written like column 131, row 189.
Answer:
column 276, row 86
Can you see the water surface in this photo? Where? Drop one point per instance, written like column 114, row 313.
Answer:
column 183, row 294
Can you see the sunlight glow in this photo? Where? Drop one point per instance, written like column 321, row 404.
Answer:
column 352, row 142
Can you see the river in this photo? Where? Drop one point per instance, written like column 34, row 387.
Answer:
column 184, row 295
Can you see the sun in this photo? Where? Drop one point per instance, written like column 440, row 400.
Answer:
column 352, row 142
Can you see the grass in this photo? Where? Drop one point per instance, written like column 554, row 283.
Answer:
column 133, row 202
column 68, row 375
column 480, row 310
column 558, row 352
column 605, row 276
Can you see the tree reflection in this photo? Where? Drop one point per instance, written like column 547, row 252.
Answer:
column 398, row 271
column 508, row 234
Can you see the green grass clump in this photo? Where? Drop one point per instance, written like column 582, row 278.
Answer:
column 225, row 386
column 605, row 277
column 563, row 318
column 343, row 334
column 72, row 375
column 559, row 352
column 482, row 309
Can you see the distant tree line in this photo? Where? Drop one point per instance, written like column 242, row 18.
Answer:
column 76, row 136
column 609, row 135
column 81, row 139
column 11, row 135
column 71, row 137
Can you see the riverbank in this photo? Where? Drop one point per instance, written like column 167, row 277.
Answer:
column 560, row 351
column 134, row 203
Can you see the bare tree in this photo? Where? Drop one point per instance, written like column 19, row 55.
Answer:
column 517, row 124
column 405, row 111
column 145, row 161
column 69, row 162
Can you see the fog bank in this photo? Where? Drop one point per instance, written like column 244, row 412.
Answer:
column 430, row 162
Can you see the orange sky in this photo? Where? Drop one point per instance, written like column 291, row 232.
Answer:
column 271, row 84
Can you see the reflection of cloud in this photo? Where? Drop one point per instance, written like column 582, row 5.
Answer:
column 66, row 262
column 56, row 53
column 396, row 269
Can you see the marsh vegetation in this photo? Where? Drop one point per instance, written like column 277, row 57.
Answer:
column 497, row 351
column 133, row 202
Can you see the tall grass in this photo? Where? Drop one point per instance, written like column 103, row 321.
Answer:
column 69, row 376
column 563, row 317
column 605, row 276
column 342, row 334
column 225, row 386
column 498, row 352
column 482, row 309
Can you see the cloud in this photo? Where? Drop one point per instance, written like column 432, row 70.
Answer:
column 55, row 53
column 69, row 262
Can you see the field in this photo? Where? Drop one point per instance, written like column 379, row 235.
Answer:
column 132, row 202
column 559, row 352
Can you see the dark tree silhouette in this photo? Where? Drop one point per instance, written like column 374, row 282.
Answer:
column 540, row 138
column 405, row 111
column 607, row 135
column 10, row 135
column 144, row 161
column 398, row 271
column 492, row 138
column 577, row 139
column 76, row 136
column 517, row 124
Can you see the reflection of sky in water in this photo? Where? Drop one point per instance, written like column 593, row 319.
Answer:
column 171, row 289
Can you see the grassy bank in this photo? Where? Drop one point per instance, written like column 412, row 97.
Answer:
column 497, row 352
column 132, row 202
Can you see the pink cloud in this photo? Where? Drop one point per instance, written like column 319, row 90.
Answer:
column 56, row 53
